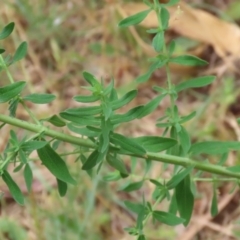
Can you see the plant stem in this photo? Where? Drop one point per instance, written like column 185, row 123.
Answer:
column 159, row 157
column 2, row 62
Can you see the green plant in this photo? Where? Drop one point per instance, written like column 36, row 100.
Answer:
column 99, row 143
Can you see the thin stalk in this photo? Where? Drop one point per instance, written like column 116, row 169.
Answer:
column 6, row 69
column 159, row 157
column 169, row 82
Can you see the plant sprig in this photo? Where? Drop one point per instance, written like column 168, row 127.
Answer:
column 99, row 143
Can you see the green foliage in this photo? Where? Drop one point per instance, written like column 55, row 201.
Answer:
column 99, row 143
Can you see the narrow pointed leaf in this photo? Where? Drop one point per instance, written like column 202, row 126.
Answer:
column 214, row 204
column 195, row 83
column 158, row 41
column 188, row 60
column 83, row 131
column 56, row 121
column 32, row 145
column 170, row 2
column 134, row 19
column 167, row 218
column 10, row 91
column 214, row 147
column 185, row 199
column 127, row 117
column 127, row 144
column 124, row 100
column 21, row 52
column 117, row 163
column 13, row 188
column 55, row 164
column 134, row 207
column 133, row 186
column 84, row 111
column 89, row 120
column 91, row 79
column 164, row 17
column 151, row 106
column 28, row 176
column 177, row 178
column 39, row 98
column 185, row 140
column 155, row 144
column 112, row 176
column 62, row 187
column 86, row 99
column 7, row 30
column 94, row 158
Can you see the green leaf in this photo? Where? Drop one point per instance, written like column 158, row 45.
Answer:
column 127, row 117
column 32, row 145
column 188, row 60
column 213, row 147
column 134, row 207
column 127, row 144
column 167, row 218
column 164, row 18
column 117, row 163
column 13, row 188
column 55, row 164
column 86, row 99
column 124, row 100
column 184, row 140
column 170, row 3
column 80, row 120
column 39, row 98
column 133, row 186
column 62, row 187
column 2, row 50
column 134, row 19
column 13, row 104
column 84, row 111
column 155, row 144
column 158, row 41
column 19, row 167
column 112, row 176
column 177, row 178
column 151, row 106
column 113, row 95
column 188, row 117
column 56, row 121
column 185, row 199
column 94, row 158
column 171, row 47
column 214, row 204
column 7, row 30
column 157, row 64
column 91, row 79
column 28, row 176
column 234, row 168
column 173, row 208
column 21, row 52
column 10, row 91
column 83, row 131
column 195, row 83
column 22, row 156
column 141, row 237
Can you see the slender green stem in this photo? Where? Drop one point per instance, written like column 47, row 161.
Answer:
column 159, row 157
column 153, row 208
column 2, row 62
column 30, row 112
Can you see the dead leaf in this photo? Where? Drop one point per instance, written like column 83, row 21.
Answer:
column 195, row 24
